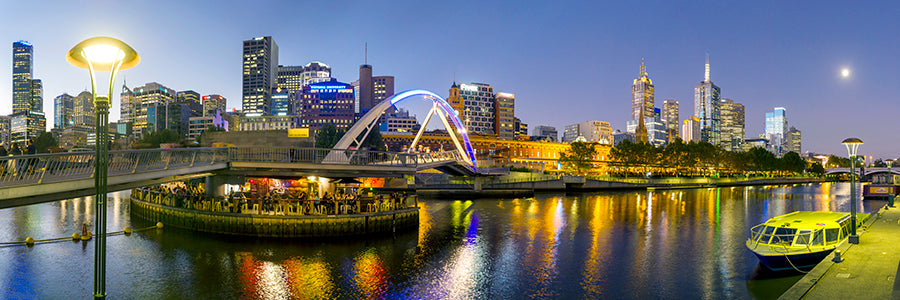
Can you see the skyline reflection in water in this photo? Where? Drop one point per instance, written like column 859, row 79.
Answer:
column 636, row 244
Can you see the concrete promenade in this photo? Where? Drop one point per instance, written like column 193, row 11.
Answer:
column 868, row 269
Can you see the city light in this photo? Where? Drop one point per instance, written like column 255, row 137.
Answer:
column 845, row 73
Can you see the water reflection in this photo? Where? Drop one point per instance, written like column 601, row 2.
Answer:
column 660, row 244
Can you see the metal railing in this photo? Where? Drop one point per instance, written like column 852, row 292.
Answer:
column 337, row 156
column 55, row 167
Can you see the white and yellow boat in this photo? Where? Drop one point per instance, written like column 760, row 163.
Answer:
column 801, row 239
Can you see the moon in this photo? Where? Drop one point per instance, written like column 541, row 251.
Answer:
column 845, row 72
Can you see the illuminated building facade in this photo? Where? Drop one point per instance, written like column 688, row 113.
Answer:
column 400, row 121
column 258, row 123
column 200, row 124
column 327, row 103
column 521, row 130
column 384, row 88
column 192, row 100
column 211, row 103
column 504, row 116
column 282, row 102
column 670, row 115
column 83, row 112
column 792, row 141
column 690, row 130
column 732, row 135
column 707, row 97
column 149, row 107
column 456, row 101
column 315, row 72
column 776, row 127
column 642, row 95
column 26, row 126
column 63, row 111
column 22, row 74
column 260, row 66
column 530, row 154
column 478, row 108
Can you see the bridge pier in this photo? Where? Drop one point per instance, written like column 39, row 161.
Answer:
column 215, row 185
column 477, row 184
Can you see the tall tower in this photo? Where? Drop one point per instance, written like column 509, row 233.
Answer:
column 456, row 101
column 478, row 107
column 21, row 76
column 706, row 108
column 642, row 95
column 670, row 115
column 63, row 111
column 776, row 127
column 732, row 134
column 260, row 67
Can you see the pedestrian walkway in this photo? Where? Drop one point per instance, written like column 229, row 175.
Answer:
column 868, row 269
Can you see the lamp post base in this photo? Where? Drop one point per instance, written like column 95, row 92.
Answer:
column 854, row 239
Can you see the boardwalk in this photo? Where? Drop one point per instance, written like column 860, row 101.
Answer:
column 868, row 270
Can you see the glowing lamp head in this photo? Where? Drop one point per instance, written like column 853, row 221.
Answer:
column 845, row 73
column 103, row 53
column 852, row 145
column 889, row 162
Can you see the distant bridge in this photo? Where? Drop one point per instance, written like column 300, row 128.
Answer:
column 869, row 171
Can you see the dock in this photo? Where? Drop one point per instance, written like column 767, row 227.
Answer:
column 868, row 269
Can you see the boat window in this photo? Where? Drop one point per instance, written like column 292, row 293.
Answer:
column 845, row 229
column 832, row 235
column 803, row 237
column 767, row 235
column 783, row 236
column 818, row 238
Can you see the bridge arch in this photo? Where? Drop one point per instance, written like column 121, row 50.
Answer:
column 359, row 131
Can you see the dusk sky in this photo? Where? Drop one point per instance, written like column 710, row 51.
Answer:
column 566, row 62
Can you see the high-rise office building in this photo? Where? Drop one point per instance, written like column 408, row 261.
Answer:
column 282, row 102
column 260, row 67
column 504, row 115
column 83, row 112
column 690, row 130
column 776, row 127
column 315, row 72
column 670, row 115
column 26, row 126
column 328, row 102
column 590, row 131
column 192, row 100
column 642, row 95
column 149, row 102
column 22, row 73
column 706, row 108
column 63, row 111
column 521, row 130
column 127, row 107
column 366, row 87
column 792, row 141
column 290, row 78
column 211, row 103
column 478, row 107
column 37, row 96
column 732, row 118
column 384, row 88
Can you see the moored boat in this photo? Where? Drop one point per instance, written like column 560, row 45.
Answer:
column 801, row 239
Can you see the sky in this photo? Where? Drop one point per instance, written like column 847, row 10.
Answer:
column 566, row 62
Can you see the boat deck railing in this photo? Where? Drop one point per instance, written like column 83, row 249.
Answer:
column 779, row 236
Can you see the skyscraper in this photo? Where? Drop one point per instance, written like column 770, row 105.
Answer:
column 776, row 127
column 149, row 102
column 792, row 141
column 690, row 130
column 260, row 67
column 706, row 108
column 732, row 134
column 83, row 110
column 642, row 95
column 328, row 102
column 591, row 131
column 63, row 111
column 504, row 115
column 21, row 76
column 384, row 88
column 211, row 103
column 366, row 87
column 670, row 115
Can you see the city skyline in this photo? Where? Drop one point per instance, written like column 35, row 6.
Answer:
column 761, row 55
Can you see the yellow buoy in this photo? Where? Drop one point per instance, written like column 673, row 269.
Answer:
column 86, row 236
column 127, row 230
column 76, row 236
column 159, row 225
column 29, row 241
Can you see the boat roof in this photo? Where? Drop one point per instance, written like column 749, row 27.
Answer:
column 808, row 219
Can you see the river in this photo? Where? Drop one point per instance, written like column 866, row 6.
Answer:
column 673, row 244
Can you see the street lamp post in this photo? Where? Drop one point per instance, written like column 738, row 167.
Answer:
column 890, row 162
column 852, row 145
column 112, row 55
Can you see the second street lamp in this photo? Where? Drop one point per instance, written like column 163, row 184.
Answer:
column 112, row 55
column 852, row 145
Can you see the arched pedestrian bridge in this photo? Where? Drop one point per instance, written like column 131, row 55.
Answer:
column 30, row 179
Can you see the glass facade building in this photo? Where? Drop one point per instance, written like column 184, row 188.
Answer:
column 21, row 76
column 260, row 66
column 707, row 97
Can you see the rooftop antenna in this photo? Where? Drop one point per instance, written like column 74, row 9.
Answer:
column 367, row 54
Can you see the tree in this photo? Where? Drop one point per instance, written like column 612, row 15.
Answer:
column 374, row 140
column 578, row 158
column 45, row 143
column 793, row 163
column 327, row 136
column 153, row 139
column 816, row 169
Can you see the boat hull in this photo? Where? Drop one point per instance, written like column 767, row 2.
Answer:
column 800, row 261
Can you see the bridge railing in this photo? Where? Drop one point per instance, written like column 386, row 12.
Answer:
column 321, row 156
column 430, row 157
column 42, row 168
